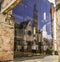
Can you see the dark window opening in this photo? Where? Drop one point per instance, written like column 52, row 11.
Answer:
column 29, row 33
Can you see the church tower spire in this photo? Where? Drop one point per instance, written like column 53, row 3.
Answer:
column 35, row 16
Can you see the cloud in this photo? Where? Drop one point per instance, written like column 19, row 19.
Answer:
column 48, row 23
column 49, row 27
column 52, row 1
column 49, row 36
column 21, row 17
column 27, row 17
column 24, row 5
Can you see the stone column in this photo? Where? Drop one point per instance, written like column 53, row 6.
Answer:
column 6, row 37
column 58, row 26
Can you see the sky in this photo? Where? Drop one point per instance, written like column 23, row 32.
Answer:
column 24, row 11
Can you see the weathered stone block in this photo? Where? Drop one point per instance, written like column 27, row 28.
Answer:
column 6, row 39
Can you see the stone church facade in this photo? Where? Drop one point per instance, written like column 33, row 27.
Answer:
column 27, row 34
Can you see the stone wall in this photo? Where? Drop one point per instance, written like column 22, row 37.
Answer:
column 6, row 37
column 58, row 25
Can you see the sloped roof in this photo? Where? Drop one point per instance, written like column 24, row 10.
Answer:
column 17, row 25
column 24, row 24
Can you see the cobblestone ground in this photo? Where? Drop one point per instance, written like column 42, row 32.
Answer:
column 38, row 59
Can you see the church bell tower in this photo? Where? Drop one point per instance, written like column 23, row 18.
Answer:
column 35, row 23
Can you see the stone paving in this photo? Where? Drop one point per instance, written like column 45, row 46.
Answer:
column 38, row 59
